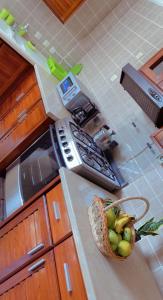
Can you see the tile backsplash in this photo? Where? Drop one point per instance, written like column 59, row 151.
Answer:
column 50, row 35
column 105, row 35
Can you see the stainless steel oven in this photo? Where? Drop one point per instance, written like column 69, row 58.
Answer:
column 64, row 144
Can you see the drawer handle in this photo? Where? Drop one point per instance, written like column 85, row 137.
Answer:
column 19, row 97
column 57, row 213
column 22, row 117
column 35, row 249
column 36, row 265
column 67, row 277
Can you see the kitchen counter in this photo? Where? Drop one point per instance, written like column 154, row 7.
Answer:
column 52, row 103
column 104, row 278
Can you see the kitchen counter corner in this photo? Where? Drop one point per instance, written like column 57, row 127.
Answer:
column 103, row 277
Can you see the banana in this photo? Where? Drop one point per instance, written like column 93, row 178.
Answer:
column 120, row 223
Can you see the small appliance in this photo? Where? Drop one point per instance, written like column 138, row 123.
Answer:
column 76, row 99
column 64, row 144
column 146, row 94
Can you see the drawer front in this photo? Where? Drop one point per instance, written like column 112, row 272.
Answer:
column 20, row 90
column 24, row 238
column 19, row 110
column 69, row 273
column 38, row 281
column 59, row 220
column 28, row 128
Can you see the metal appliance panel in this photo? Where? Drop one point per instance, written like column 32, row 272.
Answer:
column 13, row 193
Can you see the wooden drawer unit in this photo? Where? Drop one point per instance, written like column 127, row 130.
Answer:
column 19, row 110
column 63, row 9
column 20, row 89
column 28, row 127
column 38, row 281
column 24, row 238
column 59, row 220
column 153, row 69
column 12, row 65
column 69, row 273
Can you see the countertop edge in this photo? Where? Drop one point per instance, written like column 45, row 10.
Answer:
column 76, row 234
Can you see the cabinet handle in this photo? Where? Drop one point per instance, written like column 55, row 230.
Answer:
column 35, row 249
column 67, row 277
column 22, row 116
column 36, row 265
column 57, row 213
column 19, row 96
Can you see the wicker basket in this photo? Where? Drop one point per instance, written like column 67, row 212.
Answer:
column 99, row 225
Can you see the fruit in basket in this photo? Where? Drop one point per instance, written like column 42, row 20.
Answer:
column 113, row 238
column 119, row 237
column 127, row 234
column 113, row 246
column 111, row 217
column 121, row 222
column 124, row 248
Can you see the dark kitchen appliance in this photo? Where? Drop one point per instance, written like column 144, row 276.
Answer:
column 64, row 144
column 146, row 94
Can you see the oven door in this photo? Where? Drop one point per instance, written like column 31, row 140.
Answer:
column 39, row 164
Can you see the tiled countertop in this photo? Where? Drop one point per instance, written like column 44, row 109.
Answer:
column 103, row 277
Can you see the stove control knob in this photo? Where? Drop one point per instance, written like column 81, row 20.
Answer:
column 63, row 137
column 70, row 158
column 67, row 151
column 61, row 131
column 64, row 144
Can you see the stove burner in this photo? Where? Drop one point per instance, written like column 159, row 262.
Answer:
column 95, row 162
column 85, row 138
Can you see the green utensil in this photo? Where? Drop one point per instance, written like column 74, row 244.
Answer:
column 56, row 69
column 10, row 20
column 4, row 13
column 76, row 69
column 29, row 45
column 59, row 72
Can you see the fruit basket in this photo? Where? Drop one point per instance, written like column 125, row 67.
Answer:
column 107, row 240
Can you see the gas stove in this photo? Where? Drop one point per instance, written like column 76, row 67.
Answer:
column 83, row 156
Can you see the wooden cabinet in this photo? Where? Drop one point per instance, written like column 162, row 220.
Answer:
column 69, row 273
column 24, row 238
column 28, row 127
column 38, row 281
column 31, row 267
column 63, row 9
column 12, row 65
column 21, row 108
column 59, row 220
column 15, row 94
column 153, row 69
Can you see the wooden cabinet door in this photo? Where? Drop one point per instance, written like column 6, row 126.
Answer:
column 63, row 9
column 24, row 238
column 20, row 89
column 19, row 110
column 153, row 69
column 12, row 65
column 59, row 220
column 38, row 281
column 28, row 128
column 69, row 274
